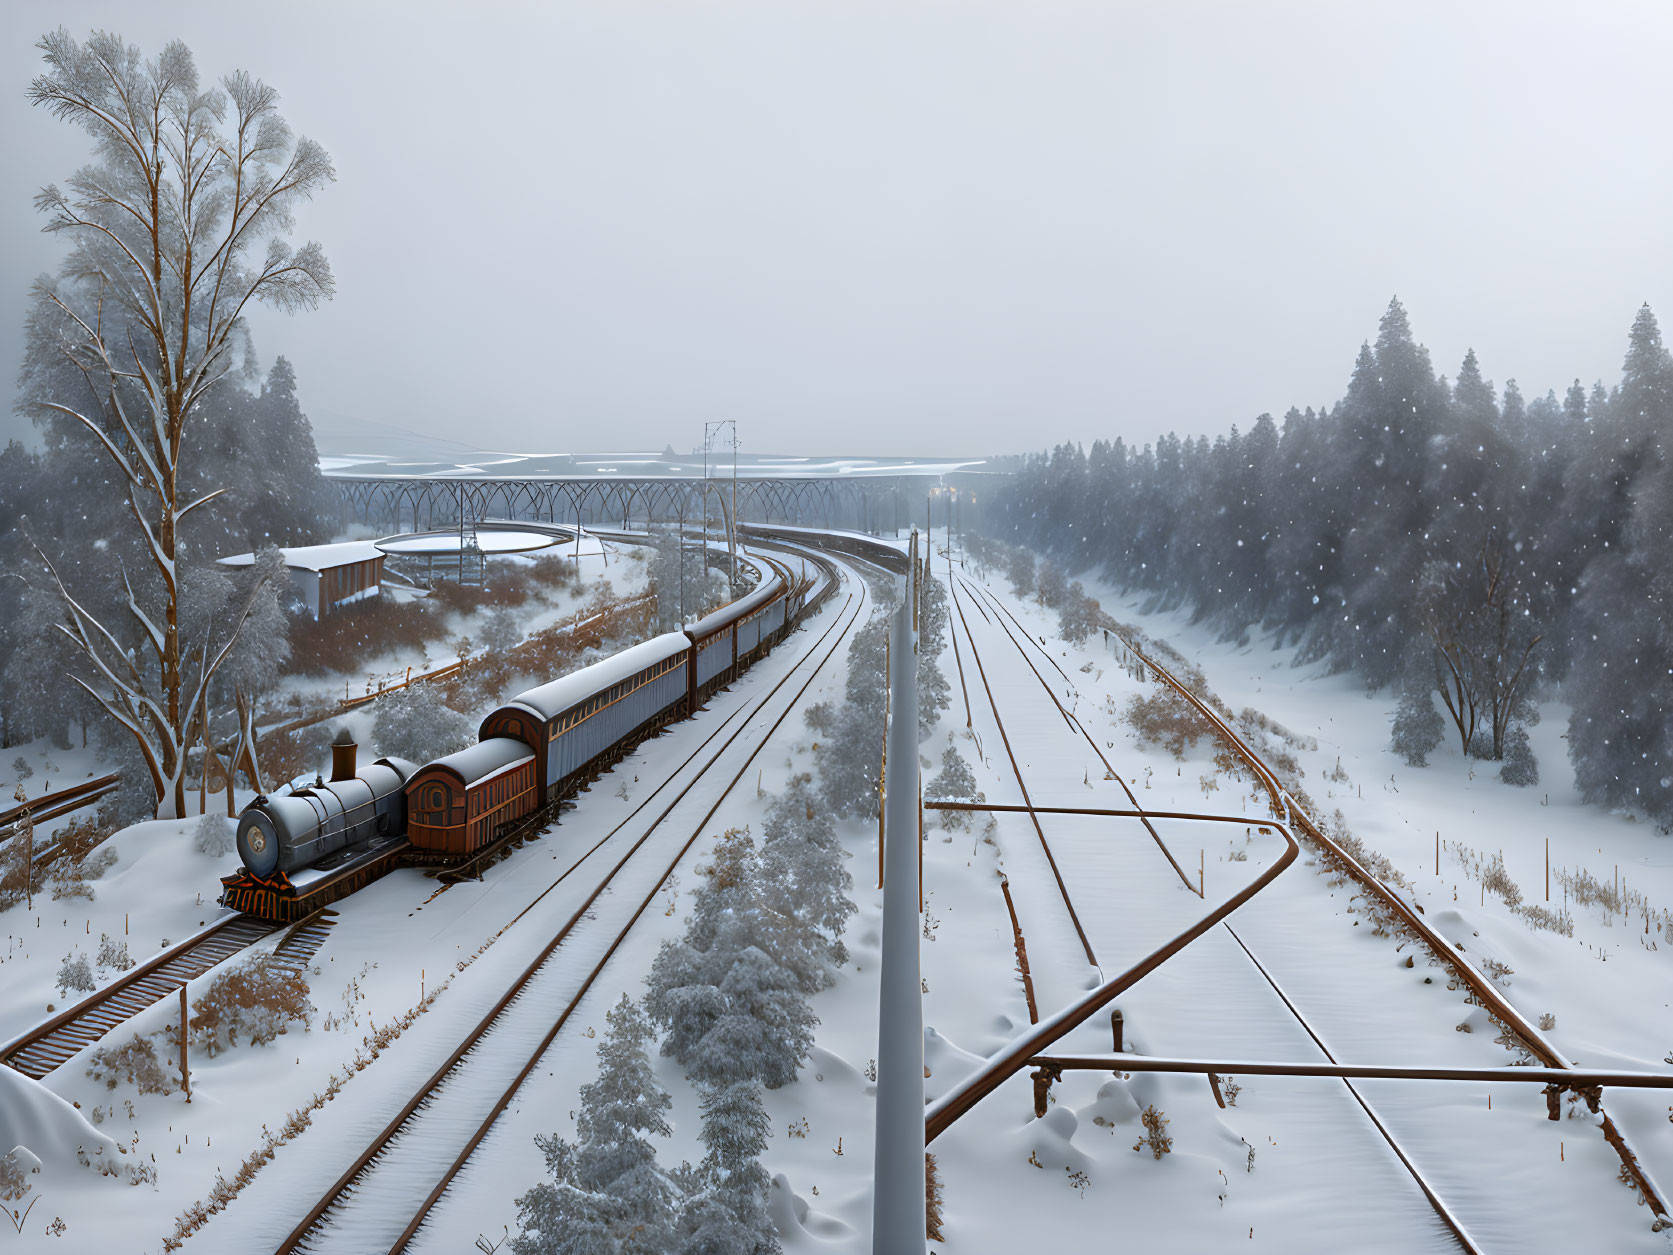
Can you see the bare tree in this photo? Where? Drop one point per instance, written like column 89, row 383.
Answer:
column 185, row 186
column 1484, row 634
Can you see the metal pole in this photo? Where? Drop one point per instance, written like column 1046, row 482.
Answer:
column 733, row 538
column 883, row 764
column 898, row 1208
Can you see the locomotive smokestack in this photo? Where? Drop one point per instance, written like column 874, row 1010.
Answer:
column 342, row 756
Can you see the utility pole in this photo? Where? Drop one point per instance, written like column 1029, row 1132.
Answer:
column 710, row 430
column 898, row 1208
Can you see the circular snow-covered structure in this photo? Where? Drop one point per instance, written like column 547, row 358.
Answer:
column 482, row 538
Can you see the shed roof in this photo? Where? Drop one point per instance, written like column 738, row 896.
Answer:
column 317, row 557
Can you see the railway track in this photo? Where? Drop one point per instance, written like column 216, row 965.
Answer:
column 379, row 1200
column 57, row 803
column 48, row 1046
column 1251, row 1008
column 1481, row 990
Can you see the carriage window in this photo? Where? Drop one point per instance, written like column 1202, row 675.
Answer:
column 435, row 797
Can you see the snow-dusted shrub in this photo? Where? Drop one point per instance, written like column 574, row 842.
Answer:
column 1418, row 727
column 1543, row 917
column 113, row 953
column 68, row 876
column 14, row 1178
column 259, row 999
column 342, row 642
column 606, row 1191
column 1155, row 1132
column 18, row 876
column 135, row 1062
column 214, row 835
column 1497, row 880
column 1019, row 569
column 1250, row 720
column 415, row 723
column 502, row 630
column 955, row 783
column 1521, row 769
column 1336, row 828
column 732, row 1008
column 1497, row 970
column 1077, row 617
column 1051, row 584
column 1162, row 717
column 75, row 974
column 726, row 1193
column 287, row 755
column 21, row 768
column 80, row 837
column 932, row 1200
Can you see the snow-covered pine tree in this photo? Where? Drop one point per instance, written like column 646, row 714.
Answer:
column 75, row 974
column 956, row 782
column 415, row 723
column 731, row 1007
column 1521, row 769
column 935, row 694
column 1418, row 726
column 607, row 1195
column 806, row 884
column 726, row 1208
column 851, row 744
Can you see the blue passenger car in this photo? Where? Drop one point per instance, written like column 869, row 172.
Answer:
column 582, row 722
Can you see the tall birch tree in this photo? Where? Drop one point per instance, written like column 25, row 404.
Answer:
column 176, row 226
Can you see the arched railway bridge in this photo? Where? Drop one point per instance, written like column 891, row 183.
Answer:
column 865, row 503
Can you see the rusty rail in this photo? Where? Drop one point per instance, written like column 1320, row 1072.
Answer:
column 1438, row 945
column 1568, row 1078
column 940, row 1115
column 61, row 802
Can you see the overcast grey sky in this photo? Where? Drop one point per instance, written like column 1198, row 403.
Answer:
column 920, row 228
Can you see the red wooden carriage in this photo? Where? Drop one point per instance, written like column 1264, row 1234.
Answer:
column 458, row 804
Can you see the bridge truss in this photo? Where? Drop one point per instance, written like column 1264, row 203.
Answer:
column 860, row 503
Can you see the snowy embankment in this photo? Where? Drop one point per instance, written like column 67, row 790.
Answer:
column 624, row 567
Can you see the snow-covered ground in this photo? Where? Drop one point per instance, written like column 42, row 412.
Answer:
column 1294, row 1165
